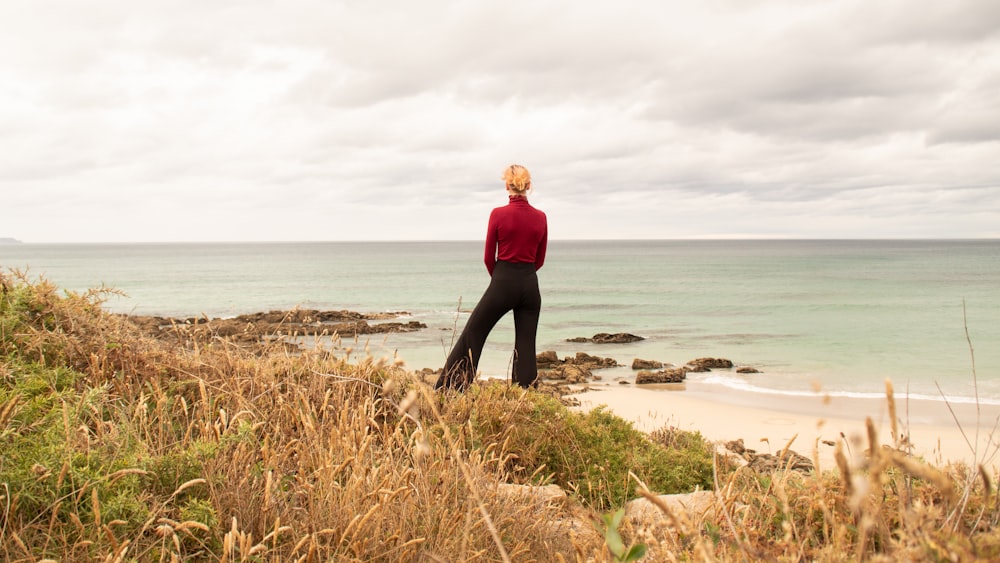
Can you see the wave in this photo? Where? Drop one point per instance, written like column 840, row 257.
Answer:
column 745, row 386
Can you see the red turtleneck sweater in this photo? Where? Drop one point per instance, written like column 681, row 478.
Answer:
column 517, row 233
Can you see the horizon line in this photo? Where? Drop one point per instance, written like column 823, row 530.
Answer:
column 8, row 241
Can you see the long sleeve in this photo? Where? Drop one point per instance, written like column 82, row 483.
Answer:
column 490, row 252
column 542, row 246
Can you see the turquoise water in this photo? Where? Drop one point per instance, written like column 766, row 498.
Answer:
column 841, row 315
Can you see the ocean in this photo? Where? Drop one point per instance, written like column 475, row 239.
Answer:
column 841, row 316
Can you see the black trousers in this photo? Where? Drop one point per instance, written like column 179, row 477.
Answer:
column 514, row 287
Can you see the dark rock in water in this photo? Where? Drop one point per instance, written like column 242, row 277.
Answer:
column 315, row 317
column 675, row 375
column 617, row 338
column 605, row 338
column 747, row 369
column 639, row 363
column 707, row 364
column 260, row 329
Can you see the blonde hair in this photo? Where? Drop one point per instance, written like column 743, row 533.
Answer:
column 517, row 178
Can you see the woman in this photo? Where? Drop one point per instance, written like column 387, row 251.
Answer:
column 515, row 249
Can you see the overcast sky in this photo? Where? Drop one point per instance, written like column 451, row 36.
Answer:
column 368, row 120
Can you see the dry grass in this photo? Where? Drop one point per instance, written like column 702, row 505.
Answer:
column 117, row 447
column 889, row 507
column 161, row 453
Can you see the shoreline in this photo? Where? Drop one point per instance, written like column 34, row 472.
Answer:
column 767, row 424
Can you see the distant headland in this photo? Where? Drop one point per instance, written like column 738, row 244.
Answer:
column 8, row 240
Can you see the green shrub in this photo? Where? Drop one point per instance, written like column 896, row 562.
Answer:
column 590, row 453
column 59, row 451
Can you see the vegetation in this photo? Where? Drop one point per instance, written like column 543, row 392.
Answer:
column 118, row 447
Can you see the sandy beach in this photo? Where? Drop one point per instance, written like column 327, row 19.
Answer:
column 768, row 423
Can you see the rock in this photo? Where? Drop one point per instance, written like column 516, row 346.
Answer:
column 747, row 369
column 569, row 373
column 650, row 523
column 593, row 362
column 314, row 316
column 674, row 375
column 563, row 518
column 605, row 338
column 695, row 504
column 768, row 463
column 559, row 390
column 569, row 370
column 638, row 363
column 737, row 447
column 547, row 359
column 264, row 329
column 617, row 338
column 707, row 364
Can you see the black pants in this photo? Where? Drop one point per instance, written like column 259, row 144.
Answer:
column 514, row 287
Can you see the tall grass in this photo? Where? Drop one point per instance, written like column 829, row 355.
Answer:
column 118, row 447
column 890, row 506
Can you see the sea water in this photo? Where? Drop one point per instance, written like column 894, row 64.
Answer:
column 840, row 316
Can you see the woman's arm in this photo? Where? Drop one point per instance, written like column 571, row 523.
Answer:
column 490, row 252
column 542, row 245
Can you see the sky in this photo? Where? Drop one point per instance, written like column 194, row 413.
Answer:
column 314, row 120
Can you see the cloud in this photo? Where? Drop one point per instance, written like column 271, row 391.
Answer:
column 257, row 120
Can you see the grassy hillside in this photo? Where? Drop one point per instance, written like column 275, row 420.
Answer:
column 116, row 446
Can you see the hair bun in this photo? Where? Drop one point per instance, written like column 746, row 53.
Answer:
column 517, row 178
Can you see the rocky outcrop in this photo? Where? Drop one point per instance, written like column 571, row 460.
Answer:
column 769, row 463
column 747, row 369
column 568, row 373
column 605, row 338
column 549, row 360
column 571, row 370
column 266, row 328
column 673, row 375
column 592, row 362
